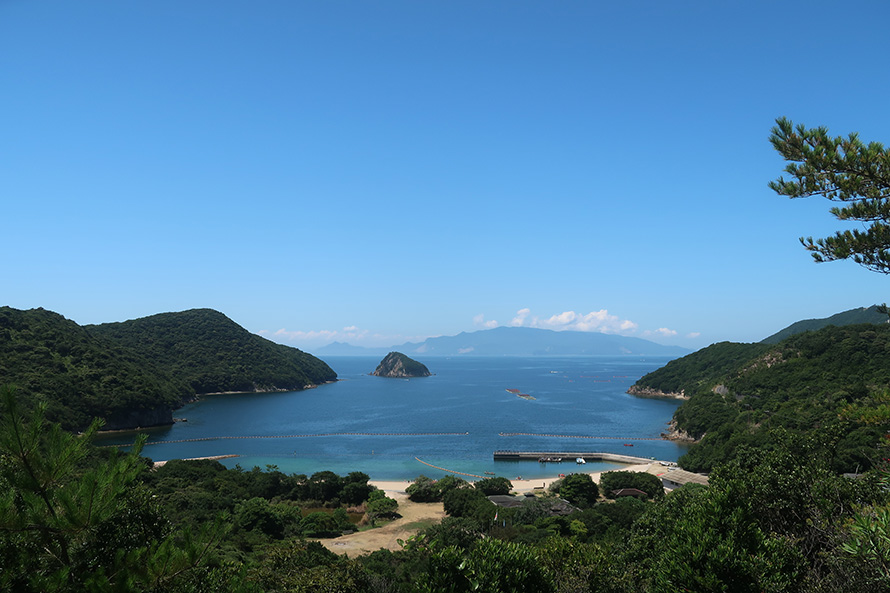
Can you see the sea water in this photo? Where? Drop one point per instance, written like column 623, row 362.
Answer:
column 397, row 429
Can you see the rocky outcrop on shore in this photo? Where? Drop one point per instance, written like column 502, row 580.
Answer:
column 656, row 393
column 677, row 435
column 398, row 366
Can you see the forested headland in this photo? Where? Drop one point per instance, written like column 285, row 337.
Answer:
column 833, row 382
column 214, row 354
column 136, row 372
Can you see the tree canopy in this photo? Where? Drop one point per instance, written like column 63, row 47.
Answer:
column 844, row 170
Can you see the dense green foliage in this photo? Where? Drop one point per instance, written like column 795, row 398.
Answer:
column 264, row 506
column 425, row 489
column 494, row 485
column 214, row 354
column 769, row 521
column 873, row 314
column 78, row 374
column 75, row 518
column 700, row 370
column 578, row 489
column 135, row 373
column 616, row 480
column 844, row 170
column 72, row 522
column 812, row 381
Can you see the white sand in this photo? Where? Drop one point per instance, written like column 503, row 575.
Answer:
column 532, row 484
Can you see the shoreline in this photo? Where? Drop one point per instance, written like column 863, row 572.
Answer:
column 650, row 393
column 156, row 464
column 532, row 484
column 520, row 485
column 266, row 390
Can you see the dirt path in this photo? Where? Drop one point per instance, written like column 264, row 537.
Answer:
column 387, row 536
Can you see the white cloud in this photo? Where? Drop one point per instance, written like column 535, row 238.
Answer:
column 662, row 332
column 318, row 337
column 519, row 320
column 479, row 321
column 693, row 334
column 351, row 334
column 596, row 321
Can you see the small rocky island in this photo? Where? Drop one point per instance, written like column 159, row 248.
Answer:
column 399, row 366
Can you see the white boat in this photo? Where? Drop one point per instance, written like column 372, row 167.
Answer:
column 580, row 461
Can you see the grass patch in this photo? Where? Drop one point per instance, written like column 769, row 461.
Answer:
column 420, row 525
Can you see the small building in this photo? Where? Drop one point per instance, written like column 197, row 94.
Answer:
column 554, row 506
column 678, row 477
column 623, row 492
column 506, row 501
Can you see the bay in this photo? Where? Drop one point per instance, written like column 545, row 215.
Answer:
column 456, row 419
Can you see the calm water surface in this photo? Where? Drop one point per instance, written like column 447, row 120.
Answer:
column 453, row 419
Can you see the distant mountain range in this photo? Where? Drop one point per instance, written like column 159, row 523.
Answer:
column 527, row 341
column 516, row 341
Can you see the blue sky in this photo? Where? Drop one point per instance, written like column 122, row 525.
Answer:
column 377, row 172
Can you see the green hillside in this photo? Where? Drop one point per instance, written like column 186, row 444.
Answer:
column 80, row 375
column 214, row 354
column 834, row 380
column 851, row 317
column 701, row 369
column 137, row 372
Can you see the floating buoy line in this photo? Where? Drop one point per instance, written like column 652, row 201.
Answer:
column 575, row 436
column 448, row 470
column 304, row 436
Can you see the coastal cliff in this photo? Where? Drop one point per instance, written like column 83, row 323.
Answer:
column 398, row 366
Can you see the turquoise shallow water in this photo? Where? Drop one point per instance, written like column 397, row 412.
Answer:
column 455, row 419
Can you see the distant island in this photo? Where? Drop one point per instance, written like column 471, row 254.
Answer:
column 517, row 341
column 398, row 366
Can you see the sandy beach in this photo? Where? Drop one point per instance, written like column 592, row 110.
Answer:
column 416, row 516
column 522, row 486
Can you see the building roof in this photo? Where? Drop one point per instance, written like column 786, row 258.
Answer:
column 679, row 476
column 629, row 492
column 555, row 506
column 506, row 501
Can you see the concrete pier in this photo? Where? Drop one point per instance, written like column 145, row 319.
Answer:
column 568, row 456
